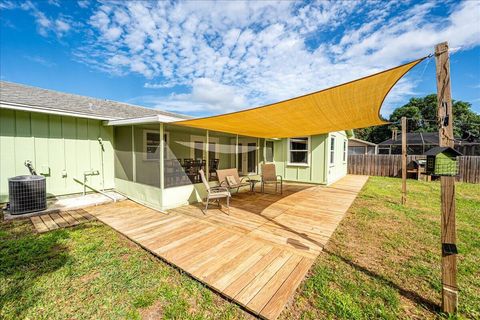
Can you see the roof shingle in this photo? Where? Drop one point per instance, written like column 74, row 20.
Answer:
column 71, row 103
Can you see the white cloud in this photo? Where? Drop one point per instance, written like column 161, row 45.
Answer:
column 238, row 54
column 83, row 3
column 207, row 96
column 46, row 25
column 40, row 60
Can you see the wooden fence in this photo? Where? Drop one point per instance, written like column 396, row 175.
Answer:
column 391, row 166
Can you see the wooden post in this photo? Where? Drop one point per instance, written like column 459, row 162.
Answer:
column 448, row 233
column 162, row 157
column 207, row 157
column 404, row 160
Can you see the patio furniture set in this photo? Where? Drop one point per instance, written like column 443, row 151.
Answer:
column 178, row 172
column 230, row 179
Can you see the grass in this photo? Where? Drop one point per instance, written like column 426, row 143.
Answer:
column 92, row 272
column 383, row 262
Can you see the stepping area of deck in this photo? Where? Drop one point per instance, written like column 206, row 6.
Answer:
column 257, row 254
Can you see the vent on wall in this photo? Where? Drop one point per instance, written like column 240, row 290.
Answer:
column 27, row 194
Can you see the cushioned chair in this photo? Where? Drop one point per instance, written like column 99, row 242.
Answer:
column 270, row 176
column 215, row 193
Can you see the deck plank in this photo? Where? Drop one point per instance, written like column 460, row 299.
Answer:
column 59, row 220
column 39, row 225
column 257, row 255
column 67, row 217
column 51, row 225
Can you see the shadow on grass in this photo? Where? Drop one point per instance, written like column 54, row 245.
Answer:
column 24, row 257
column 410, row 295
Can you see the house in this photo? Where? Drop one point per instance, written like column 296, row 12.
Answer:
column 420, row 142
column 72, row 140
column 358, row 146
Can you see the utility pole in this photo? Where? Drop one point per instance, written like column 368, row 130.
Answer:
column 446, row 139
column 404, row 160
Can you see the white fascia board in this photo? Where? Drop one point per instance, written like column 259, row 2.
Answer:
column 149, row 119
column 28, row 108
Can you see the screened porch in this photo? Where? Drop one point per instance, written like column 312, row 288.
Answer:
column 159, row 164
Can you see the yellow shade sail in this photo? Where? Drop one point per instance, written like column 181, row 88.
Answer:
column 351, row 105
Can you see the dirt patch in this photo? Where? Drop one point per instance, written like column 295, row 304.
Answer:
column 152, row 312
column 89, row 277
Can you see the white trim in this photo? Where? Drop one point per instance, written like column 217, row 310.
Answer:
column 148, row 119
column 297, row 164
column 330, row 158
column 28, row 108
column 345, row 151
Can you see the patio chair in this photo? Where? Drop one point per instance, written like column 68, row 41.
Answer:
column 215, row 193
column 231, row 179
column 269, row 176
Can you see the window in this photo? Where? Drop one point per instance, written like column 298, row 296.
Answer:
column 151, row 146
column 198, row 150
column 298, row 150
column 332, row 150
column 212, row 148
column 167, row 153
column 269, row 151
column 344, row 150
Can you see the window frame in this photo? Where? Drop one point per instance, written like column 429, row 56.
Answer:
column 146, row 145
column 289, row 152
column 345, row 148
column 331, row 152
column 273, row 151
column 203, row 139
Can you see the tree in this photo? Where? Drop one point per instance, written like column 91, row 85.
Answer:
column 422, row 115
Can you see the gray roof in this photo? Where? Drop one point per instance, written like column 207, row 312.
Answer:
column 19, row 94
column 422, row 138
column 437, row 150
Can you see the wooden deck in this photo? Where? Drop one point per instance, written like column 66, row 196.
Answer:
column 52, row 221
column 256, row 255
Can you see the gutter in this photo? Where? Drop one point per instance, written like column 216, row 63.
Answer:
column 29, row 108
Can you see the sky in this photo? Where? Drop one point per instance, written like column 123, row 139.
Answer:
column 203, row 58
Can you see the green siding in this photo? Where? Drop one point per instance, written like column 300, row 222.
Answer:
column 55, row 145
column 313, row 173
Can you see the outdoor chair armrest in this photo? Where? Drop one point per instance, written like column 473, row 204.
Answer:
column 281, row 178
column 223, row 184
column 219, row 188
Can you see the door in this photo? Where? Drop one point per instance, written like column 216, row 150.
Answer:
column 252, row 157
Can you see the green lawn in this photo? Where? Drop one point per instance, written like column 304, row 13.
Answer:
column 92, row 272
column 382, row 262
column 384, row 259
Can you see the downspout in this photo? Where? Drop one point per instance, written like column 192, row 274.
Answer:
column 102, row 150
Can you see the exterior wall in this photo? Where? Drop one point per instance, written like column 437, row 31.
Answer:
column 312, row 173
column 338, row 168
column 60, row 147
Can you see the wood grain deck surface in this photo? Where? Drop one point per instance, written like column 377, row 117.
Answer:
column 257, row 255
